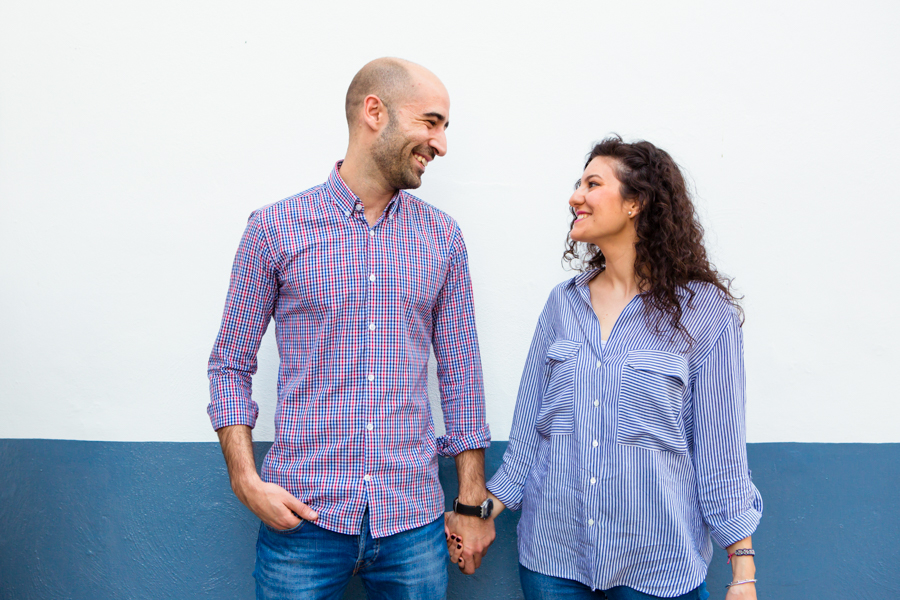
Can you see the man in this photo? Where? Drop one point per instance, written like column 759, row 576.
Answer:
column 360, row 277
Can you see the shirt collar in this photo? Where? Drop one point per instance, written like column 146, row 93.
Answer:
column 346, row 200
column 582, row 279
column 580, row 284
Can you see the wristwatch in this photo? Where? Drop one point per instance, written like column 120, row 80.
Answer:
column 483, row 511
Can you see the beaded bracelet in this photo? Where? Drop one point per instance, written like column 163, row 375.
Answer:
column 741, row 552
column 740, row 582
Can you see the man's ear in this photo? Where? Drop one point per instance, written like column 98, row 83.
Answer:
column 375, row 114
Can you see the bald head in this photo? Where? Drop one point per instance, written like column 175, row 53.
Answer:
column 393, row 80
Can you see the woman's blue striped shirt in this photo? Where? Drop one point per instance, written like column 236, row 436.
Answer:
column 628, row 462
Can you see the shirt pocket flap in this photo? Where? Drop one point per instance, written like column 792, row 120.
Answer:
column 656, row 361
column 562, row 350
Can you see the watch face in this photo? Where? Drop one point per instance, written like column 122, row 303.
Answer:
column 487, row 508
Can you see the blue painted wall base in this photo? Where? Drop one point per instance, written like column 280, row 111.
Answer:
column 111, row 520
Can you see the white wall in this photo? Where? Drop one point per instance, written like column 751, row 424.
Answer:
column 136, row 137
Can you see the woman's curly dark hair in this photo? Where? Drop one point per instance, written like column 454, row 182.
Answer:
column 669, row 247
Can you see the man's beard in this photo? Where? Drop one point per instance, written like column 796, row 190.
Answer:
column 389, row 156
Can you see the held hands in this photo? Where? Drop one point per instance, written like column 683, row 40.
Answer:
column 274, row 505
column 468, row 539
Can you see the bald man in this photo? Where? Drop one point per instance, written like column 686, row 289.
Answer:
column 361, row 278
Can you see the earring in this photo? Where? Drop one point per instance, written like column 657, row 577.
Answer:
column 629, row 213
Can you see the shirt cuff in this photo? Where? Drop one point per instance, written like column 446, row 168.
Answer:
column 225, row 413
column 506, row 491
column 739, row 526
column 450, row 445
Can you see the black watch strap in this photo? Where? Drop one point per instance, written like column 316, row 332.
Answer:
column 483, row 511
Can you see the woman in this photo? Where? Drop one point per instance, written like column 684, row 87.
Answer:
column 627, row 453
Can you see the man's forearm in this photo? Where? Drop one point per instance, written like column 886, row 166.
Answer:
column 237, row 447
column 268, row 501
column 470, row 471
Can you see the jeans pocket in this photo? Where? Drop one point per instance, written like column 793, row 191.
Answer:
column 295, row 529
column 651, row 399
column 557, row 413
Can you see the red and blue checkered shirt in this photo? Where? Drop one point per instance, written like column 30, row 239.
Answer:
column 355, row 310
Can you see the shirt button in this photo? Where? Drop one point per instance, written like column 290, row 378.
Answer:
column 372, row 326
column 371, row 376
column 596, row 403
column 370, row 426
column 369, row 478
column 359, row 207
column 599, row 363
column 391, row 217
column 372, row 277
column 590, row 521
column 593, row 480
column 372, row 232
column 346, row 213
column 595, row 444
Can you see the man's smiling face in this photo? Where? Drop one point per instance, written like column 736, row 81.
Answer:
column 414, row 135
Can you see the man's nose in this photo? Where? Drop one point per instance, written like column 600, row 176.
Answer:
column 439, row 143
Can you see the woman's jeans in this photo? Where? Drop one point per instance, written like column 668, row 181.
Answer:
column 544, row 587
column 311, row 563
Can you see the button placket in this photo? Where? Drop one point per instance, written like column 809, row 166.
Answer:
column 370, row 454
column 593, row 457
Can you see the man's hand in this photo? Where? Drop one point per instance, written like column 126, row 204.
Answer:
column 274, row 505
column 468, row 539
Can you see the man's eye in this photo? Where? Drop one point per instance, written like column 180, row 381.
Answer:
column 432, row 123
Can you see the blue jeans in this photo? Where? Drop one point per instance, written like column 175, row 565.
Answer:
column 538, row 586
column 311, row 563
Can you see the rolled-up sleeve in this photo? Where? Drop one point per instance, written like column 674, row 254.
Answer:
column 248, row 309
column 730, row 503
column 508, row 483
column 455, row 344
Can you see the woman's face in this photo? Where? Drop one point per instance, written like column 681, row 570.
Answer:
column 600, row 211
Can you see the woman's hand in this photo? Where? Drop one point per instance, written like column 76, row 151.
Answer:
column 454, row 542
column 745, row 591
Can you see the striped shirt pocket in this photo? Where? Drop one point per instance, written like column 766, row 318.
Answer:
column 557, row 414
column 651, row 398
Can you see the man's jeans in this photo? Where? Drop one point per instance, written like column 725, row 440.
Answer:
column 538, row 586
column 311, row 563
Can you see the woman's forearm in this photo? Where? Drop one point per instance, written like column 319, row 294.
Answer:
column 742, row 567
